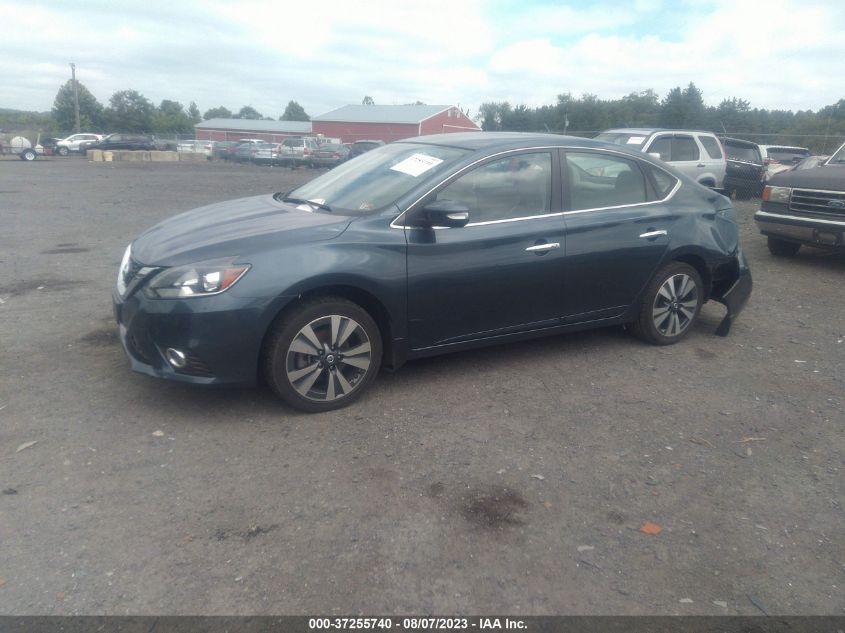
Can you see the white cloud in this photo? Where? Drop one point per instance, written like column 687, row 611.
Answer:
column 334, row 52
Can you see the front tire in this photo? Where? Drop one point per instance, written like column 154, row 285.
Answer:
column 783, row 248
column 670, row 305
column 63, row 151
column 323, row 355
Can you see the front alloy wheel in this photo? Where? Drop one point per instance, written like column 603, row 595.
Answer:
column 323, row 355
column 670, row 305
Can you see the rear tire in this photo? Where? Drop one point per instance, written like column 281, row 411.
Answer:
column 670, row 305
column 783, row 248
column 63, row 151
column 323, row 355
column 28, row 155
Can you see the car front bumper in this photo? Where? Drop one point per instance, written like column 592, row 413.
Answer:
column 220, row 336
column 736, row 295
column 803, row 229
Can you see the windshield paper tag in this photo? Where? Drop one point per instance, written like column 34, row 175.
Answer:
column 417, row 164
column 636, row 140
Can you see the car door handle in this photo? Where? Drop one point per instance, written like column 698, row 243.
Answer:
column 650, row 234
column 540, row 248
column 701, row 165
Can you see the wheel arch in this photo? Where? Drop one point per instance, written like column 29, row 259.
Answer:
column 700, row 264
column 357, row 295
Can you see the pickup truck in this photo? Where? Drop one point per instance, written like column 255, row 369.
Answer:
column 805, row 207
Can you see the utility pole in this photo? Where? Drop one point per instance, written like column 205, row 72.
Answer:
column 75, row 98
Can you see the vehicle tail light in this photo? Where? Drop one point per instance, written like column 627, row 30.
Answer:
column 305, row 151
column 767, row 191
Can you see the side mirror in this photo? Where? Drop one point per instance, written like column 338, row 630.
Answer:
column 655, row 155
column 446, row 213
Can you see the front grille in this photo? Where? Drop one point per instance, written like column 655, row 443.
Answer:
column 827, row 203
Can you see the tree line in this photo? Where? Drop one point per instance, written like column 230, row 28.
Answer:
column 130, row 111
column 680, row 108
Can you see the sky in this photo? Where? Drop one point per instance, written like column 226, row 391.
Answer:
column 777, row 54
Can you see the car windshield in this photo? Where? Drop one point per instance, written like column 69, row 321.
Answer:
column 838, row 158
column 330, row 148
column 746, row 153
column 378, row 178
column 787, row 154
column 623, row 138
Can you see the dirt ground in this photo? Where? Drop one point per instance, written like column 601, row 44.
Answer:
column 514, row 479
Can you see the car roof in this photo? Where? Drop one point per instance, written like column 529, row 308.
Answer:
column 739, row 141
column 651, row 130
column 803, row 149
column 505, row 140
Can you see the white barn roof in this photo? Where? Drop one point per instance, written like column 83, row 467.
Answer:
column 411, row 114
column 256, row 125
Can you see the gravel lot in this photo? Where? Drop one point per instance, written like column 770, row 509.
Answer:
column 513, row 479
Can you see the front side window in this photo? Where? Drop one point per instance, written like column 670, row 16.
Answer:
column 684, row 148
column 663, row 146
column 506, row 189
column 595, row 181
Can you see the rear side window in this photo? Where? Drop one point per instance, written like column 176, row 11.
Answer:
column 711, row 146
column 663, row 182
column 595, row 181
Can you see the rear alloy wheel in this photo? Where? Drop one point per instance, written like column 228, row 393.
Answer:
column 670, row 306
column 323, row 355
column 783, row 248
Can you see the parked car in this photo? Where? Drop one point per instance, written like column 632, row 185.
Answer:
column 431, row 245
column 805, row 207
column 778, row 158
column 745, row 170
column 361, row 147
column 247, row 151
column 298, row 150
column 195, row 147
column 330, row 155
column 266, row 153
column 124, row 141
column 224, row 149
column 76, row 143
column 695, row 153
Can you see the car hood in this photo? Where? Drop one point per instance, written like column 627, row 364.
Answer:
column 232, row 229
column 822, row 177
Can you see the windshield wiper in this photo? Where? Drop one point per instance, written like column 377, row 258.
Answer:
column 312, row 203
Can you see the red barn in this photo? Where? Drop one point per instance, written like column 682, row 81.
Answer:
column 391, row 122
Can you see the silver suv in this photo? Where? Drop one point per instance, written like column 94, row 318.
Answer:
column 694, row 153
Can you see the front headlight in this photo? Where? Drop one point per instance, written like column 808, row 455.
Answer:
column 121, row 272
column 196, row 280
column 776, row 194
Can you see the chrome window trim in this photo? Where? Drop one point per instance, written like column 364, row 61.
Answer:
column 669, row 196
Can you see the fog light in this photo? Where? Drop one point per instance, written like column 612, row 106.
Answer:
column 175, row 358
